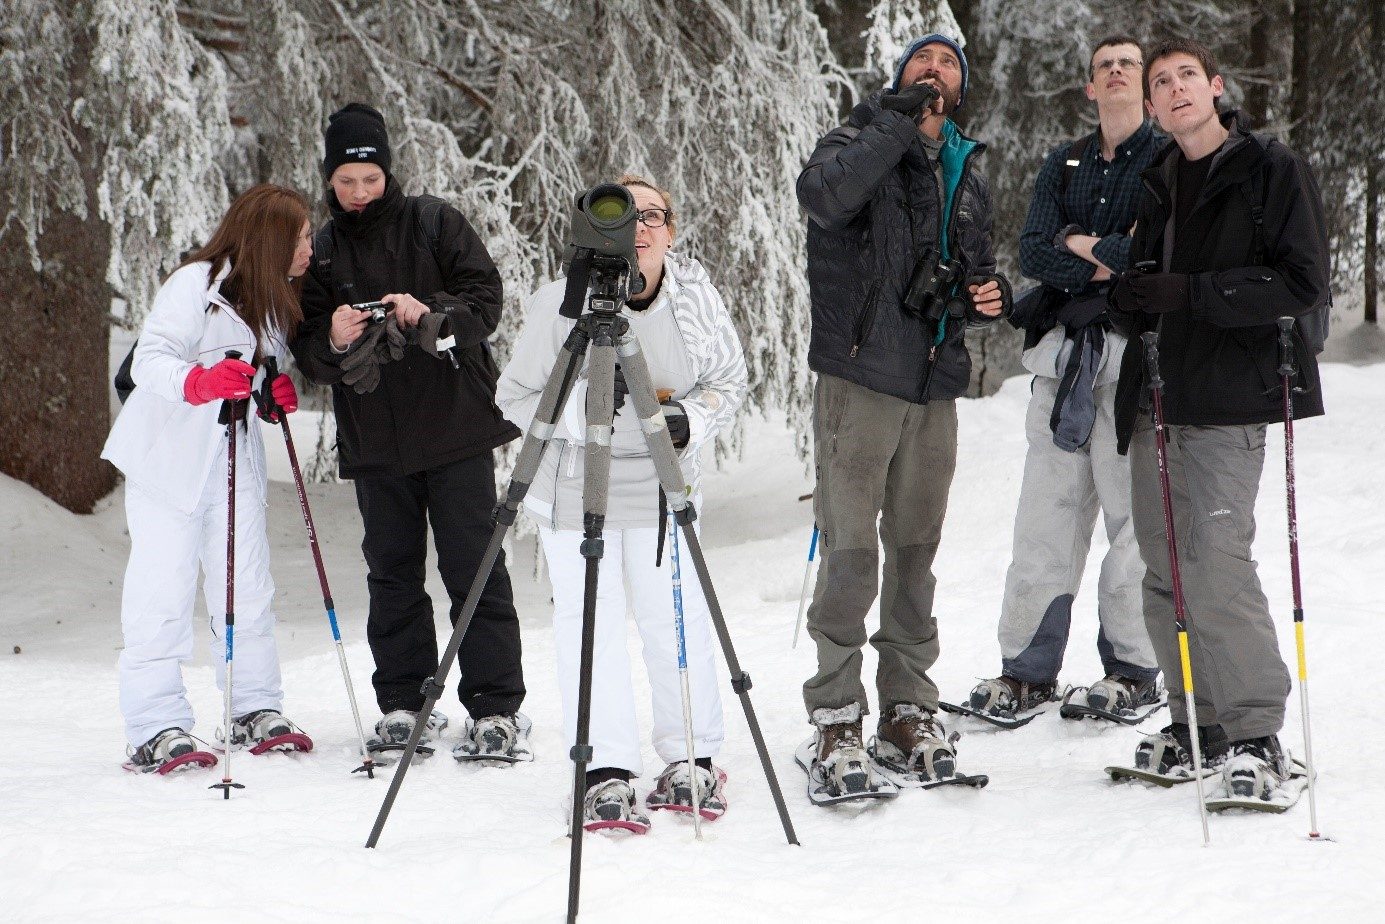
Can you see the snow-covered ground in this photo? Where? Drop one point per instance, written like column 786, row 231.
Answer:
column 1049, row 840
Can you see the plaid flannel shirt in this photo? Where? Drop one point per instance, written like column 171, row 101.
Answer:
column 1102, row 198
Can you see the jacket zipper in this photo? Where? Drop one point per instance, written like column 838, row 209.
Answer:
column 867, row 319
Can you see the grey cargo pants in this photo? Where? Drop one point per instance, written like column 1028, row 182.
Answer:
column 1239, row 679
column 886, row 459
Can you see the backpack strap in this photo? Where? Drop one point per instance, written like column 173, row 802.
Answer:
column 429, row 216
column 1253, row 190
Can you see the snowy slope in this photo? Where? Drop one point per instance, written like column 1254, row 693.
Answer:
column 1049, row 840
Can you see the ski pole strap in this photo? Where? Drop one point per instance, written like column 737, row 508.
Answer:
column 1287, row 366
column 663, row 528
column 269, row 409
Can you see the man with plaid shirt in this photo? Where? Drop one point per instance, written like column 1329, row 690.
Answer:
column 1076, row 239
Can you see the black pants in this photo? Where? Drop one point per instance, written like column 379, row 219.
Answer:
column 457, row 500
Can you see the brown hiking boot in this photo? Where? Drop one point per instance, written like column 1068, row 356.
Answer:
column 840, row 762
column 910, row 740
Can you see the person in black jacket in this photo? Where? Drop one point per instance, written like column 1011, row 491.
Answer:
column 416, row 426
column 1233, row 224
column 893, row 190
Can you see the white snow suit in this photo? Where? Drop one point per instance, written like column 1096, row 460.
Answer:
column 691, row 347
column 173, row 456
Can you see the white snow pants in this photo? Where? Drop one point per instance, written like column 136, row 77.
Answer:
column 628, row 578
column 156, row 610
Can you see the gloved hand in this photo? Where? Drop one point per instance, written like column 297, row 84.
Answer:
column 285, row 399
column 911, row 100
column 227, row 380
column 677, row 420
column 1153, row 293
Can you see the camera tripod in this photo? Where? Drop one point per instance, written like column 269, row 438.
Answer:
column 607, row 333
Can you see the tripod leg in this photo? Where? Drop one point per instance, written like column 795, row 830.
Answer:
column 595, row 486
column 540, row 431
column 671, row 477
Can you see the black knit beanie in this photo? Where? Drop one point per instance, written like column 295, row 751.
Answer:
column 355, row 135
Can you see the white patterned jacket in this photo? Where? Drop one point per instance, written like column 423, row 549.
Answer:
column 691, row 347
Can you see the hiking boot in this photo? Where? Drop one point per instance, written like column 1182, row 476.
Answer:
column 840, row 760
column 503, row 738
column 611, row 805
column 673, row 790
column 1118, row 694
column 1256, row 768
column 1169, row 753
column 921, row 742
column 1005, row 697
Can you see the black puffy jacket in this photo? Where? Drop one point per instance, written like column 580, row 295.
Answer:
column 424, row 413
column 1219, row 357
column 875, row 206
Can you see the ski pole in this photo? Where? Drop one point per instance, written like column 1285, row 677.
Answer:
column 696, row 788
column 807, row 581
column 1287, row 372
column 270, row 407
column 1180, row 613
column 228, row 417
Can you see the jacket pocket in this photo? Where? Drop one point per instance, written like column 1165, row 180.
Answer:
column 866, row 321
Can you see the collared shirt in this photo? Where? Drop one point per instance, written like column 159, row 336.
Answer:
column 1101, row 198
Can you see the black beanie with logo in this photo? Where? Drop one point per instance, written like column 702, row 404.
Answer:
column 355, row 135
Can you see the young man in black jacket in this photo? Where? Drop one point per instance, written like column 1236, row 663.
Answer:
column 416, row 426
column 893, row 191
column 1233, row 224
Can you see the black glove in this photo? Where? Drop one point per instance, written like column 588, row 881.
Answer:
column 1007, row 300
column 911, row 101
column 1152, row 293
column 677, row 420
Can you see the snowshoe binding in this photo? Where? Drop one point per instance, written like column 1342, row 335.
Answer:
column 170, row 751
column 611, row 806
column 266, row 730
column 673, row 791
column 393, row 730
column 1165, row 759
column 1258, row 777
column 914, row 750
column 839, row 768
column 1004, row 701
column 1115, row 699
column 495, row 740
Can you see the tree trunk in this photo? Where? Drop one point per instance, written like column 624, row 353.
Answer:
column 1302, row 88
column 54, row 343
column 1371, row 287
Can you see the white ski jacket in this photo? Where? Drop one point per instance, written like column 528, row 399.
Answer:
column 160, row 441
column 691, row 347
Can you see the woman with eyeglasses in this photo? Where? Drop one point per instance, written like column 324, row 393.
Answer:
column 695, row 361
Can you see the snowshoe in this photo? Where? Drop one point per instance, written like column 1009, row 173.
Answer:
column 171, row 750
column 1115, row 699
column 495, row 739
column 1004, row 701
column 1258, row 777
column 838, row 767
column 611, row 806
column 1165, row 759
column 915, row 751
column 393, row 730
column 673, row 791
column 265, row 730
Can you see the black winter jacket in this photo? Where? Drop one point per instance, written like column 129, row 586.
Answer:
column 424, row 413
column 1219, row 358
column 875, row 206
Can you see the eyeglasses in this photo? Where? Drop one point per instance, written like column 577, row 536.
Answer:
column 654, row 218
column 1126, row 64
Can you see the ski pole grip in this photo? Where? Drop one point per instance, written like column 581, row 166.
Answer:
column 1286, row 346
column 1151, row 342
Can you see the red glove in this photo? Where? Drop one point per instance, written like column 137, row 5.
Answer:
column 285, row 397
column 229, row 378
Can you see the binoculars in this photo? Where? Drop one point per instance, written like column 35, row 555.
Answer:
column 930, row 294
